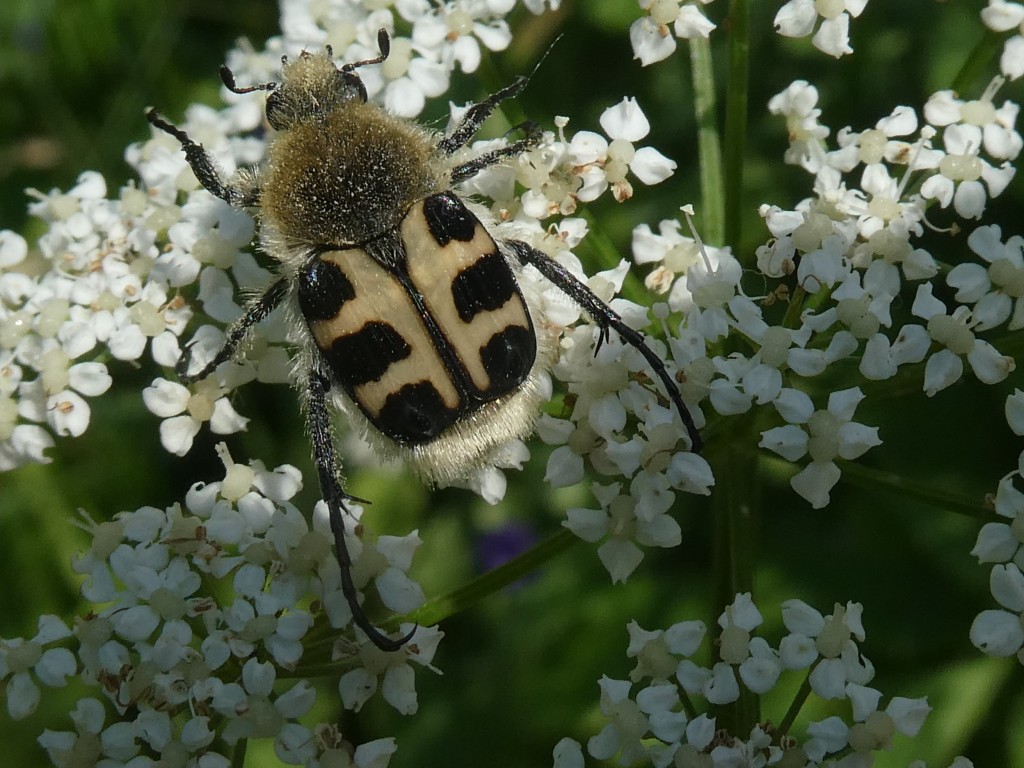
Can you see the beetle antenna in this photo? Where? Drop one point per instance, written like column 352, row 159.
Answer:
column 383, row 45
column 228, row 77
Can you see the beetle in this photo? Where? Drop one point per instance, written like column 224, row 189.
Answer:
column 407, row 305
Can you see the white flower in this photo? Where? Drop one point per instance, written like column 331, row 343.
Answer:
column 954, row 333
column 963, row 176
column 626, row 727
column 391, row 670
column 994, row 291
column 799, row 105
column 184, row 412
column 605, row 163
column 625, row 522
column 650, row 36
column 797, row 18
column 21, row 660
column 829, row 434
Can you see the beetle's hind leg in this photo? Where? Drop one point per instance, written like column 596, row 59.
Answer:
column 318, row 423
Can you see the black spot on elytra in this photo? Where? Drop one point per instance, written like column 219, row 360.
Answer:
column 508, row 358
column 415, row 414
column 448, row 219
column 483, row 286
column 323, row 289
column 365, row 355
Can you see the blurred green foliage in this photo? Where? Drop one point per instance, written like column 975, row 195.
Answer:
column 521, row 671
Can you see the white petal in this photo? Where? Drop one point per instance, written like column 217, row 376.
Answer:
column 127, row 343
column 403, row 98
column 988, row 364
column 856, row 439
column 67, row 413
column 398, row 592
column 843, row 403
column 607, row 416
column 790, row 442
column 1011, row 63
column 567, row 754
column 942, row 369
column 833, row 36
column 728, row 399
column 177, row 434
column 794, row 405
column 815, row 481
column 165, row 398
column 1001, row 16
column 13, row 248
column 22, row 696
column 828, row 679
column 908, row 714
column 722, row 688
column 995, row 543
column 565, row 468
column 970, row 280
column 691, row 24
column 648, row 42
column 661, row 531
column 225, row 419
column 969, row 199
column 760, row 675
column 375, row 754
column 997, row 633
column 91, row 379
column 625, row 121
column 355, row 687
column 587, row 147
column 796, row 18
column 399, row 689
column 1006, row 583
column 620, row 557
column 690, row 472
column 55, row 666
column 1014, row 410
column 650, row 166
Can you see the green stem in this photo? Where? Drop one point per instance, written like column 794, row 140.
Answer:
column 798, row 702
column 869, row 478
column 736, row 98
column 436, row 610
column 238, row 753
column 709, row 147
column 736, row 505
column 977, row 61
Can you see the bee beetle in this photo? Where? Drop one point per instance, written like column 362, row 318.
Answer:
column 407, row 307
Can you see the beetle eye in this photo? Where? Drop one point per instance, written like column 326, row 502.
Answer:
column 350, row 86
column 275, row 112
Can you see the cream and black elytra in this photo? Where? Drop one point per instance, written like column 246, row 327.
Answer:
column 406, row 305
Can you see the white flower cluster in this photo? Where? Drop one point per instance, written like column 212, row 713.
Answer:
column 203, row 609
column 655, row 717
column 199, row 610
column 1000, row 632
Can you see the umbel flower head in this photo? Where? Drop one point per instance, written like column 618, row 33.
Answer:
column 887, row 284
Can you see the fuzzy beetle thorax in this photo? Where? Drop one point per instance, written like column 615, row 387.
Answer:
column 341, row 171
